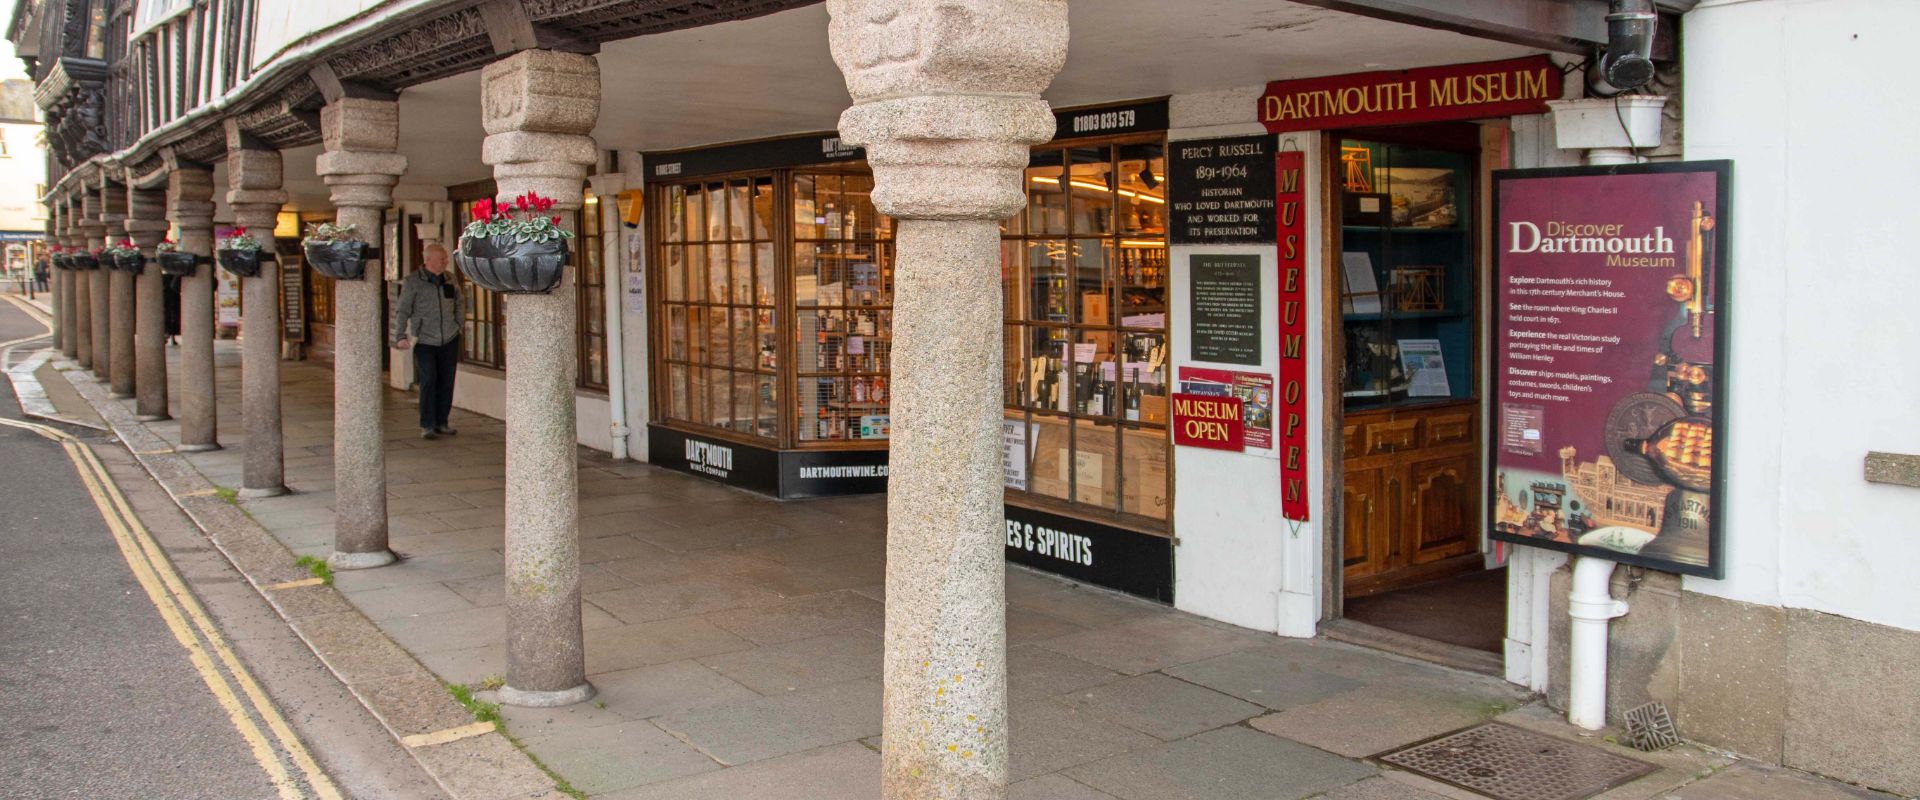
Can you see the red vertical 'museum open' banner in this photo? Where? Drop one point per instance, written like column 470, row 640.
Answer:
column 1291, row 411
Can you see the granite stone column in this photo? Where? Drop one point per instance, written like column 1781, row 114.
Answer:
column 190, row 206
column 82, row 289
column 538, row 107
column 63, row 280
column 254, row 194
column 361, row 168
column 96, row 294
column 120, row 292
column 146, row 225
column 946, row 101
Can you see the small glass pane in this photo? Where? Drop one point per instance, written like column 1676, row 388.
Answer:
column 676, row 332
column 1093, row 185
column 822, row 340
column 1046, row 194
column 863, row 222
column 866, row 348
column 1096, row 463
column 1093, row 280
column 676, row 214
column 677, row 395
column 1144, row 484
column 1048, row 289
column 697, row 273
column 716, row 212
column 1143, row 289
column 763, row 268
column 674, row 263
column 829, row 208
column 769, row 337
column 864, row 285
column 718, row 352
column 1096, row 376
column 742, row 275
column 1051, row 473
column 1014, row 368
column 717, row 274
column 763, row 209
column 1048, row 372
column 805, row 216
column 737, row 204
column 696, row 214
column 1144, row 364
column 745, row 345
column 745, row 396
column 697, row 395
column 697, row 334
column 820, row 415
column 719, row 397
column 1142, row 205
column 1010, row 293
column 767, row 390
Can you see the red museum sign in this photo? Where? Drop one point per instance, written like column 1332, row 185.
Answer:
column 1290, row 406
column 1208, row 421
column 1400, row 97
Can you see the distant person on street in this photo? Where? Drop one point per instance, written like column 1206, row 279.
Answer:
column 429, row 324
column 40, row 275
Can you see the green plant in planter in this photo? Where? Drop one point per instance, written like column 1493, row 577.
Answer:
column 174, row 262
column 240, row 253
column 126, row 257
column 514, row 245
column 336, row 251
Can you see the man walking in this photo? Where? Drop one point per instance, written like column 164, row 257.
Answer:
column 429, row 324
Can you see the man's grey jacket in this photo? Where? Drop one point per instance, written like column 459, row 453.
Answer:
column 430, row 309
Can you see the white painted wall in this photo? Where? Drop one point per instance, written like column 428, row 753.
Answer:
column 1237, row 559
column 22, row 169
column 1806, row 97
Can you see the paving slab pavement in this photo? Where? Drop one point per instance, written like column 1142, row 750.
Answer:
column 736, row 643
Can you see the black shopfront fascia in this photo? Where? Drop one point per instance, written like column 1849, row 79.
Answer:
column 1077, row 548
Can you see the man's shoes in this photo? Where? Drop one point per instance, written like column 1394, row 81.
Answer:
column 427, row 433
column 444, row 430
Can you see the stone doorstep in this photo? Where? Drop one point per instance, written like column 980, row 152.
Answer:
column 401, row 693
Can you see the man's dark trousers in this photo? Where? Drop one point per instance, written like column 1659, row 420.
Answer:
column 433, row 369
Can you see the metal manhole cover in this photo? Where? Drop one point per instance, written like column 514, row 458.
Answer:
column 1507, row 763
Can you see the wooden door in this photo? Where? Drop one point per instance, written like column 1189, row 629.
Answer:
column 1439, row 517
column 1364, row 525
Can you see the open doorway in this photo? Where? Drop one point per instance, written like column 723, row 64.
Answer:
column 1407, row 238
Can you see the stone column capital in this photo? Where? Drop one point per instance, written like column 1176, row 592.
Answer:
column 946, row 98
column 360, row 164
column 190, row 197
column 146, row 223
column 538, row 107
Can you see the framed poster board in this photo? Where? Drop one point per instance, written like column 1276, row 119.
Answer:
column 1609, row 362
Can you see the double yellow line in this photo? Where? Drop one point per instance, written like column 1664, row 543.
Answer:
column 195, row 631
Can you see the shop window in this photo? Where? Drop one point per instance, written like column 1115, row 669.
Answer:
column 843, row 308
column 1084, row 271
column 720, row 274
column 481, row 325
column 590, row 283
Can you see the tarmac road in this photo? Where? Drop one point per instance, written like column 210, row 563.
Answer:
column 100, row 694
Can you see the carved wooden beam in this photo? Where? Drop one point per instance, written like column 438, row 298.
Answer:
column 511, row 30
column 332, row 88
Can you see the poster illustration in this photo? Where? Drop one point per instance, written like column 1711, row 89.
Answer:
column 1254, row 390
column 1609, row 435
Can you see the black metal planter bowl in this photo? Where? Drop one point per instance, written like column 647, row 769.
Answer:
column 179, row 264
column 242, row 263
column 62, row 262
column 341, row 261
column 136, row 263
column 86, row 262
column 500, row 264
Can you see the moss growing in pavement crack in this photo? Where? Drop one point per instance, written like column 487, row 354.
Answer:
column 229, row 494
column 318, row 568
column 491, row 682
column 484, row 711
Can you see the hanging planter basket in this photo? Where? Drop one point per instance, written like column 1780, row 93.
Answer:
column 86, row 262
column 63, row 261
column 242, row 263
column 179, row 264
column 500, row 264
column 135, row 264
column 341, row 260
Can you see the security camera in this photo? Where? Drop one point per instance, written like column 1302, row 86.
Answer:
column 1628, row 63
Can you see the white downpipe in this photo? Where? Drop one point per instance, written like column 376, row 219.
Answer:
column 615, row 289
column 1591, row 605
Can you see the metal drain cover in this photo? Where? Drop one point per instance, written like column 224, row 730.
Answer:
column 1507, row 763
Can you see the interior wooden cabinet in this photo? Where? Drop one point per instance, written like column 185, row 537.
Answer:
column 1408, row 292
